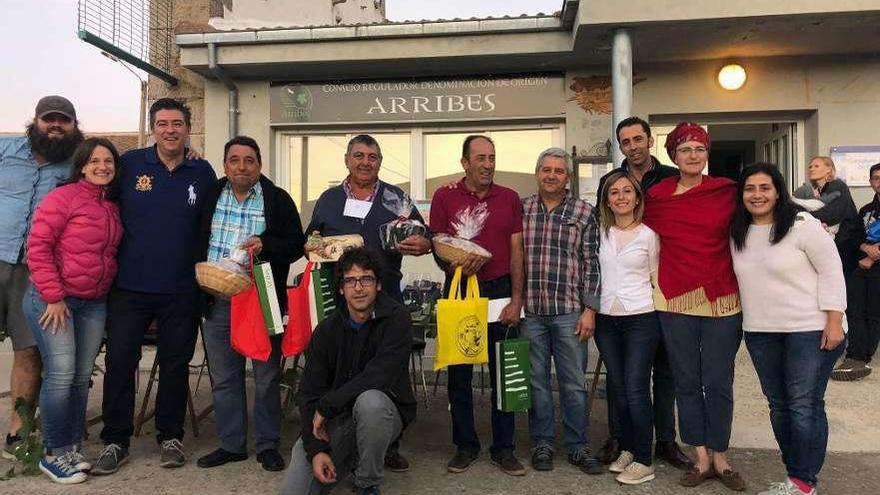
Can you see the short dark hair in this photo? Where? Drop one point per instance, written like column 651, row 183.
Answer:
column 466, row 147
column 630, row 121
column 243, row 141
column 170, row 104
column 365, row 258
column 364, row 139
column 874, row 168
column 784, row 212
column 81, row 157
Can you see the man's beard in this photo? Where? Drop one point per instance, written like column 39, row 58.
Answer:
column 54, row 150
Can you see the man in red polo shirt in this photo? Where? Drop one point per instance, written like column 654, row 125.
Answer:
column 500, row 277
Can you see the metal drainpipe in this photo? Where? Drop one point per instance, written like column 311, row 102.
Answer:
column 621, row 86
column 221, row 75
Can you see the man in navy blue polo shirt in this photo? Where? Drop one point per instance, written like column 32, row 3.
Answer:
column 162, row 193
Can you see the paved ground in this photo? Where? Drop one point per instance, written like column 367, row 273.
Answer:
column 850, row 468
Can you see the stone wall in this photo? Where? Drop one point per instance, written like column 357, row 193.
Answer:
column 187, row 15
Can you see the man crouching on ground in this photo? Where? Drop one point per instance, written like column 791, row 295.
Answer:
column 355, row 395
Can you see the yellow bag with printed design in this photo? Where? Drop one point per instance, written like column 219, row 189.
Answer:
column 462, row 326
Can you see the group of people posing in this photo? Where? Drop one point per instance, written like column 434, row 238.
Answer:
column 667, row 273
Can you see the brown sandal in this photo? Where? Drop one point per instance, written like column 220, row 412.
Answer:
column 694, row 477
column 731, row 479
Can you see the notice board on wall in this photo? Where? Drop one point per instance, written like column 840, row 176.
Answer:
column 854, row 162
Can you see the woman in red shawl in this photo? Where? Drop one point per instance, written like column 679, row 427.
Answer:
column 697, row 299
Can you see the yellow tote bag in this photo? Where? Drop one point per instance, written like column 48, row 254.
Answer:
column 462, row 327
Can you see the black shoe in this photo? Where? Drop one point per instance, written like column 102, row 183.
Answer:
column 585, row 460
column 370, row 490
column 609, row 452
column 271, row 460
column 461, row 461
column 671, row 453
column 111, row 458
column 220, row 457
column 396, row 463
column 850, row 370
column 508, row 463
column 542, row 458
column 12, row 443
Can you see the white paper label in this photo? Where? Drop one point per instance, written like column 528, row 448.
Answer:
column 356, row 208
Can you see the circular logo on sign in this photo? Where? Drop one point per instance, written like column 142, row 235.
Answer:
column 296, row 97
column 468, row 337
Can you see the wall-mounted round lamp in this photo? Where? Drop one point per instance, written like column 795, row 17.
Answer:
column 732, row 77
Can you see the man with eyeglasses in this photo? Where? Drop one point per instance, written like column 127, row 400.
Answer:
column 635, row 142
column 355, row 395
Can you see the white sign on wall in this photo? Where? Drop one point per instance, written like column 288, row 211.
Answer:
column 854, row 162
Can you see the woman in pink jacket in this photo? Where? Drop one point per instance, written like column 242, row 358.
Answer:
column 71, row 255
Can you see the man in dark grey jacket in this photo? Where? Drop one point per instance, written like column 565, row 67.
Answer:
column 355, row 396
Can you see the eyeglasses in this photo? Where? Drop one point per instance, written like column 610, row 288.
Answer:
column 687, row 151
column 366, row 281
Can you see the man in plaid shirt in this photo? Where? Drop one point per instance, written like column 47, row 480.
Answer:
column 561, row 240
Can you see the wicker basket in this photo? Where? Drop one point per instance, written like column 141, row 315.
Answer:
column 446, row 249
column 218, row 281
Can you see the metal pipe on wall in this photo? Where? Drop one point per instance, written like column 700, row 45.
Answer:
column 621, row 86
column 221, row 75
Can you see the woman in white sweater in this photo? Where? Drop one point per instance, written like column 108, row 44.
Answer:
column 627, row 328
column 793, row 299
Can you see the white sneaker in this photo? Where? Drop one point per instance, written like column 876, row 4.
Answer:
column 624, row 460
column 79, row 461
column 636, row 473
column 787, row 488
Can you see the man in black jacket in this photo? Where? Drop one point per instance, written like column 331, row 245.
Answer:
column 246, row 210
column 355, row 395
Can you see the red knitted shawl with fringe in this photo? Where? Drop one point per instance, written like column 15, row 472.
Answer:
column 694, row 230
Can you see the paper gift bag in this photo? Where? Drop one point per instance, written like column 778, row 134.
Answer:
column 265, row 285
column 462, row 328
column 513, row 375
column 323, row 302
column 309, row 303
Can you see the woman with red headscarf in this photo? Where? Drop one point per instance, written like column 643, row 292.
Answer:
column 697, row 300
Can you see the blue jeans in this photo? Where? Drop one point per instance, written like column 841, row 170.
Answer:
column 702, row 351
column 68, row 360
column 628, row 345
column 554, row 336
column 460, row 386
column 230, row 400
column 794, row 373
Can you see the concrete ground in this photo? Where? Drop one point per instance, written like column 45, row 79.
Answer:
column 850, row 468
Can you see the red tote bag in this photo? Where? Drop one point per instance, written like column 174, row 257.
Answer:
column 299, row 321
column 248, row 333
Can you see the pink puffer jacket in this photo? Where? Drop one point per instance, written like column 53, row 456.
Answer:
column 71, row 249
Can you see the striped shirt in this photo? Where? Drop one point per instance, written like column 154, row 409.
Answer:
column 233, row 222
column 561, row 256
column 346, row 186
